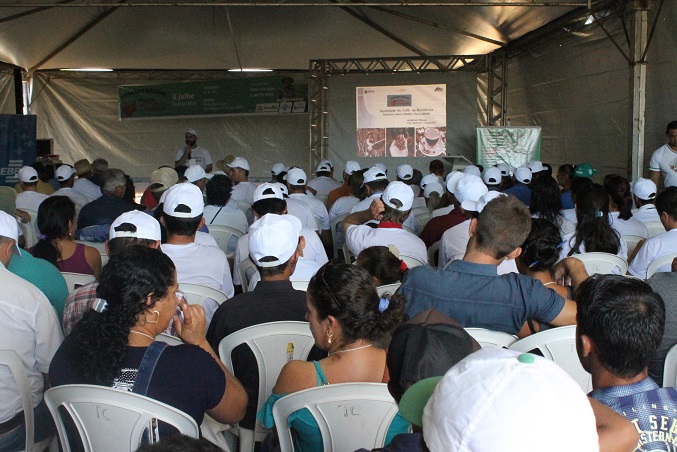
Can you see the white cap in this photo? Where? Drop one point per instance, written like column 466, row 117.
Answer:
column 351, row 167
column 274, row 236
column 405, row 172
column 296, row 176
column 523, row 174
column 191, row 131
column 400, row 191
column 506, row 170
column 278, row 168
column 643, row 188
column 492, row 176
column 428, row 179
column 267, row 191
column 327, row 162
column 64, row 172
column 188, row 195
column 536, row 166
column 147, row 227
column 381, row 166
column 500, row 400
column 433, row 187
column 323, row 167
column 195, row 173
column 452, row 180
column 472, row 169
column 239, row 162
column 374, row 174
column 283, row 188
column 10, row 229
column 469, row 187
column 478, row 206
column 27, row 174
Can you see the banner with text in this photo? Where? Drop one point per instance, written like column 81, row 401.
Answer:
column 246, row 96
column 402, row 121
column 17, row 145
column 515, row 146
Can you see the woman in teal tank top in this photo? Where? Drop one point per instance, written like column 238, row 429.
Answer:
column 349, row 321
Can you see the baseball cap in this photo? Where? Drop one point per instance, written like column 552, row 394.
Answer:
column 10, row 229
column 296, row 176
column 27, row 174
column 472, row 169
column 400, row 191
column 351, row 167
column 328, row 163
column 163, row 178
column 275, row 236
column 496, row 398
column 433, row 187
column 267, row 191
column 584, row 170
column 195, row 173
column 506, row 170
column 428, row 179
column 374, row 174
column 381, row 166
column 283, row 188
column 64, row 172
column 523, row 174
column 469, row 187
column 239, row 162
column 147, row 227
column 478, row 206
column 192, row 131
column 643, row 188
column 278, row 168
column 452, row 180
column 492, row 176
column 405, row 172
column 326, row 167
column 188, row 196
column 82, row 167
column 536, row 166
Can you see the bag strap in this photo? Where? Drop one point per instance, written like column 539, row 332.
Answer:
column 217, row 214
column 147, row 367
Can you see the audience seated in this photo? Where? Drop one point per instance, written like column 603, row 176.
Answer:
column 382, row 263
column 296, row 183
column 103, row 211
column 83, row 184
column 42, row 185
column 29, row 198
column 374, row 183
column 565, row 176
column 160, row 181
column 65, row 175
column 665, row 285
column 438, row 224
column 324, row 181
column 219, row 212
column 620, row 207
column 520, row 189
column 344, row 189
column 243, row 190
column 547, row 204
column 644, row 194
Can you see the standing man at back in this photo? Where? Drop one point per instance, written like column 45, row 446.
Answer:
column 192, row 154
column 663, row 164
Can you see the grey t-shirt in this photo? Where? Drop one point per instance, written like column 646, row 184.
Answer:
column 665, row 285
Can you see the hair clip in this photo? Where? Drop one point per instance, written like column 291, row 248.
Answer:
column 599, row 214
column 534, row 263
column 383, row 304
column 42, row 237
column 403, row 266
column 100, row 305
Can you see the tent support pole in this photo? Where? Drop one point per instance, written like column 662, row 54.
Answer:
column 18, row 91
column 638, row 68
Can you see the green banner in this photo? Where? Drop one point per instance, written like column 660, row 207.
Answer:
column 246, row 96
column 515, row 146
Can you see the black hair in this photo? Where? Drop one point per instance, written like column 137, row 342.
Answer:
column 181, row 226
column 593, row 228
column 579, row 186
column 381, row 264
column 624, row 318
column 218, row 191
column 436, row 166
column 280, row 177
column 269, row 205
column 566, row 170
column 546, row 200
column 672, row 125
column 322, row 173
column 97, row 345
column 540, row 251
column 666, row 201
column 355, row 182
column 54, row 214
column 618, row 189
column 547, row 170
column 377, row 185
column 271, row 271
column 347, row 293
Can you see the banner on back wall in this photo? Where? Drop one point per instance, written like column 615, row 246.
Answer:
column 402, row 121
column 245, row 96
column 515, row 146
column 17, row 145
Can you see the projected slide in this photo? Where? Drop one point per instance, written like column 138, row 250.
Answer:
column 402, row 121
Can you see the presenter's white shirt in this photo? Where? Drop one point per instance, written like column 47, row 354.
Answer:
column 664, row 159
column 198, row 156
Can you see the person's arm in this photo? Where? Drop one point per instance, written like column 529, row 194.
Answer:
column 655, row 177
column 574, row 270
column 374, row 212
column 182, row 160
column 93, row 258
column 209, row 168
column 616, row 433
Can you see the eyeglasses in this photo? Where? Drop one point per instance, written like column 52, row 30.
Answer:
column 329, row 290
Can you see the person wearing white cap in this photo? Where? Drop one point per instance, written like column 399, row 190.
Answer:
column 643, row 193
column 536, row 167
column 473, row 293
column 30, row 328
column 473, row 170
column 276, row 170
column 243, row 190
column 95, row 217
column 391, row 210
column 662, row 164
column 446, row 218
column 520, row 189
column 492, row 178
column 323, row 183
column 29, row 198
column 195, row 264
column 344, row 189
column 192, row 153
column 65, row 174
column 196, row 175
column 296, row 183
column 621, row 217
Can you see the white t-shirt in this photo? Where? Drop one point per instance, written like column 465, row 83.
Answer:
column 316, row 206
column 204, row 239
column 29, row 327
column 78, row 198
column 87, row 188
column 198, row 156
column 570, row 214
column 323, row 185
column 646, row 214
column 305, row 269
column 359, row 237
column 342, row 206
column 302, row 211
column 244, row 192
column 226, row 216
column 664, row 159
column 30, row 200
column 655, row 247
column 366, row 204
column 631, row 226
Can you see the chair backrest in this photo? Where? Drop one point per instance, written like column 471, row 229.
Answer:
column 491, row 339
column 658, row 263
column 223, row 234
column 300, row 285
column 244, row 206
column 411, row 261
column 347, row 255
column 388, row 289
column 246, row 270
column 350, row 415
column 558, row 345
column 110, row 419
column 168, row 339
column 270, row 343
column 670, row 368
column 76, row 280
column 654, row 227
column 603, row 263
column 421, row 220
column 434, row 249
column 198, row 294
column 337, row 237
column 632, row 241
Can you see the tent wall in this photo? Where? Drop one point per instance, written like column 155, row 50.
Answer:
column 7, row 102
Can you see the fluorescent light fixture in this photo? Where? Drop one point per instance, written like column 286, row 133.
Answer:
column 87, row 69
column 250, row 70
column 589, row 20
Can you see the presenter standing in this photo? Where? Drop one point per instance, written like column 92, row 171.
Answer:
column 192, row 154
column 664, row 160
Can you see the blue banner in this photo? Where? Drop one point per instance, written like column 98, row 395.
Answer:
column 17, row 145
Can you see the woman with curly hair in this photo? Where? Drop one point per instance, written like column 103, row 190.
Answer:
column 348, row 320
column 139, row 296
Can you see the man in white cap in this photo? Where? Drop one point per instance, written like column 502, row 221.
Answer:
column 31, row 329
column 391, row 209
column 65, row 174
column 195, row 264
column 29, row 198
column 296, row 183
column 196, row 176
column 243, row 190
column 323, row 183
column 644, row 195
column 192, row 154
column 274, row 243
column 438, row 224
column 276, row 170
column 492, row 178
column 160, row 181
column 344, row 189
column 405, row 173
column 537, row 168
column 521, row 190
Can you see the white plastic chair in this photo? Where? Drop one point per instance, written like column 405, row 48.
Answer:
column 670, row 368
column 434, row 248
column 558, row 345
column 655, row 228
column 110, row 419
column 76, row 280
column 420, row 221
column 198, row 294
column 168, row 339
column 300, row 285
column 347, row 255
column 350, row 415
column 388, row 289
column 11, row 360
column 490, row 338
column 270, row 344
column 632, row 241
column 335, row 225
column 33, row 233
column 246, row 270
column 222, row 235
column 603, row 263
column 658, row 263
column 411, row 261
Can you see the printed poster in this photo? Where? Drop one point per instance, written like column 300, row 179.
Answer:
column 515, row 146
